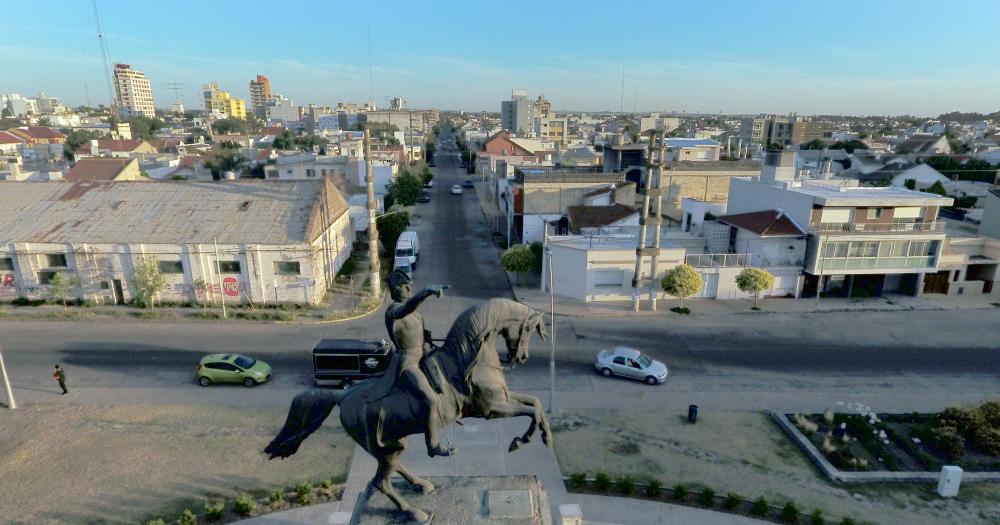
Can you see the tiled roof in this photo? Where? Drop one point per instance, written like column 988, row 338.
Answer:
column 10, row 138
column 96, row 169
column 41, row 132
column 252, row 212
column 596, row 216
column 120, row 144
column 767, row 223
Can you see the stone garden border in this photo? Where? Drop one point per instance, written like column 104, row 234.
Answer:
column 841, row 476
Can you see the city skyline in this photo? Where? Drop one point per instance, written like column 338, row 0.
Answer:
column 747, row 60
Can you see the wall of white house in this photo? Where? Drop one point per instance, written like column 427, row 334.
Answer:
column 747, row 195
column 250, row 272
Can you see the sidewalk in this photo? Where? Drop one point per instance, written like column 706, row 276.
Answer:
column 608, row 510
column 566, row 307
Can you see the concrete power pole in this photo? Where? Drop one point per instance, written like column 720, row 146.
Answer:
column 376, row 285
column 651, row 188
column 11, row 404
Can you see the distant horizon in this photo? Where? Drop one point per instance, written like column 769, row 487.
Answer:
column 858, row 59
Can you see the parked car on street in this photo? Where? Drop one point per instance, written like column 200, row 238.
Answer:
column 468, row 184
column 232, row 368
column 456, row 190
column 630, row 363
column 425, row 196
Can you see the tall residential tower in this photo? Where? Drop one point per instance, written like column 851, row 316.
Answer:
column 133, row 92
column 260, row 94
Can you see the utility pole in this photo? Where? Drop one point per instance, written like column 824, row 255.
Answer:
column 11, row 404
column 218, row 271
column 651, row 188
column 552, row 334
column 372, row 228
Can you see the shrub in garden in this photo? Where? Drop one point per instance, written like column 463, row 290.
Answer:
column 732, row 501
column 326, row 483
column 789, row 513
column 578, row 480
column 157, row 521
column 244, row 505
column 276, row 497
column 816, row 518
column 848, row 521
column 680, row 491
column 187, row 518
column 654, row 488
column 988, row 440
column 304, row 488
column 707, row 497
column 213, row 510
column 949, row 441
column 966, row 420
column 626, row 485
column 759, row 507
column 602, row 482
column 990, row 412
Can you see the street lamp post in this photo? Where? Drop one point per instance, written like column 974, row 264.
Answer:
column 552, row 337
column 6, row 385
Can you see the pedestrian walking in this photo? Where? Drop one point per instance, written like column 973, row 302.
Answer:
column 60, row 376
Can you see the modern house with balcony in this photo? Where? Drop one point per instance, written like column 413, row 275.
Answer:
column 861, row 241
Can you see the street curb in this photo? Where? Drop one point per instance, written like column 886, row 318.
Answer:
column 376, row 308
column 486, row 223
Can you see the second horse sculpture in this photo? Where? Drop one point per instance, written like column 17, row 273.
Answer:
column 465, row 372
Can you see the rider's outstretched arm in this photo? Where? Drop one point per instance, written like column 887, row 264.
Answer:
column 412, row 303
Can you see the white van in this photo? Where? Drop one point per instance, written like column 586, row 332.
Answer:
column 408, row 246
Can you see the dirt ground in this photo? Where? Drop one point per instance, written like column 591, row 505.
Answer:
column 122, row 464
column 746, row 453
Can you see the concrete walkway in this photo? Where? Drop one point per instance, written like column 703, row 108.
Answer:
column 482, row 451
column 566, row 307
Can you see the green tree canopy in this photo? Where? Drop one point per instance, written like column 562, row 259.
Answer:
column 405, row 189
column 754, row 280
column 938, row 189
column 681, row 282
column 148, row 281
column 518, row 259
column 61, row 286
column 78, row 138
column 390, row 226
column 223, row 158
column 230, row 126
column 813, row 144
column 849, row 146
column 144, row 127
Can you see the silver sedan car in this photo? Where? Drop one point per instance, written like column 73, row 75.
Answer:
column 631, row 363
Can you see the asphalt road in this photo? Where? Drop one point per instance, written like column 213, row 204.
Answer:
column 889, row 360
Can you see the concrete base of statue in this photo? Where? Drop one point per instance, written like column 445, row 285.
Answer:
column 467, row 500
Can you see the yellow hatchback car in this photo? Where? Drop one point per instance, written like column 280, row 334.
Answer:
column 232, row 368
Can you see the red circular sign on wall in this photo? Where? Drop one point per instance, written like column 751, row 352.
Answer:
column 231, row 286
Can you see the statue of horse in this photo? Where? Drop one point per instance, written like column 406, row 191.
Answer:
column 465, row 371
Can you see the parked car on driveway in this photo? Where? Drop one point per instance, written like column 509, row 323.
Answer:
column 456, row 190
column 232, row 368
column 468, row 184
column 630, row 363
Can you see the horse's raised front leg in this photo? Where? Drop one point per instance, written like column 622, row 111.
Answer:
column 420, row 483
column 542, row 420
column 515, row 409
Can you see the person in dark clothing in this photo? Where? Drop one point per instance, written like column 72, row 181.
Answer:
column 60, row 376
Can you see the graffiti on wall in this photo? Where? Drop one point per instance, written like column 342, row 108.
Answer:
column 7, row 284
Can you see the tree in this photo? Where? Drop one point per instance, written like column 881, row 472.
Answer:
column 405, row 189
column 6, row 113
column 849, row 146
column 223, row 159
column 754, row 280
column 518, row 259
column 390, row 226
column 775, row 146
column 45, row 121
column 938, row 189
column 813, row 144
column 284, row 141
column 60, row 286
column 681, row 282
column 77, row 138
column 201, row 289
column 229, row 126
column 148, row 281
column 537, row 252
column 911, row 184
column 429, row 149
column 144, row 127
column 426, row 175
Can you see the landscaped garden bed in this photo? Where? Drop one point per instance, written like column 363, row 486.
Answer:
column 860, row 440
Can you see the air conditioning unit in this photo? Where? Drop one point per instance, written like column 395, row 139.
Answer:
column 860, row 227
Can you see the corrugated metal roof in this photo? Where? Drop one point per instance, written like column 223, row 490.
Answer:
column 257, row 212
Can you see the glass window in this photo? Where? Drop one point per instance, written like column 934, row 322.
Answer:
column 229, row 267
column 286, row 267
column 874, row 213
column 56, row 260
column 619, row 360
column 835, row 249
column 244, row 361
column 310, row 172
column 644, row 361
column 864, row 249
column 899, row 248
column 917, row 248
column 227, row 367
column 170, row 266
column 45, row 277
column 6, row 263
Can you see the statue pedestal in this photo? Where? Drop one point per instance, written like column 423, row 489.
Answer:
column 466, row 500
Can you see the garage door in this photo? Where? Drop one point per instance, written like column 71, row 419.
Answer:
column 784, row 285
column 710, row 286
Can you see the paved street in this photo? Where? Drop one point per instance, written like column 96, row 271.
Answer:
column 897, row 361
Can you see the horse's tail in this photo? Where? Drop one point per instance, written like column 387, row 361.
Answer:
column 308, row 411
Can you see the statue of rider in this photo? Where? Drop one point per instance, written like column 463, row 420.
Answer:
column 408, row 334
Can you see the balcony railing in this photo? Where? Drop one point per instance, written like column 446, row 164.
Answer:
column 878, row 227
column 718, row 260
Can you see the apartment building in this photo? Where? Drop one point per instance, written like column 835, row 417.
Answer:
column 255, row 241
column 133, row 92
column 862, row 241
column 260, row 94
column 515, row 114
column 221, row 103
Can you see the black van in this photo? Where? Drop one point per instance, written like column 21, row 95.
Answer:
column 340, row 362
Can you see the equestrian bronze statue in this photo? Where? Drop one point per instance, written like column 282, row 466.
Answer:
column 464, row 377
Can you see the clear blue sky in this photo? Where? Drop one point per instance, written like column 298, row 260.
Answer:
column 850, row 57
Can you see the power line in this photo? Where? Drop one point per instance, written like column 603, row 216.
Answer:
column 105, row 58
